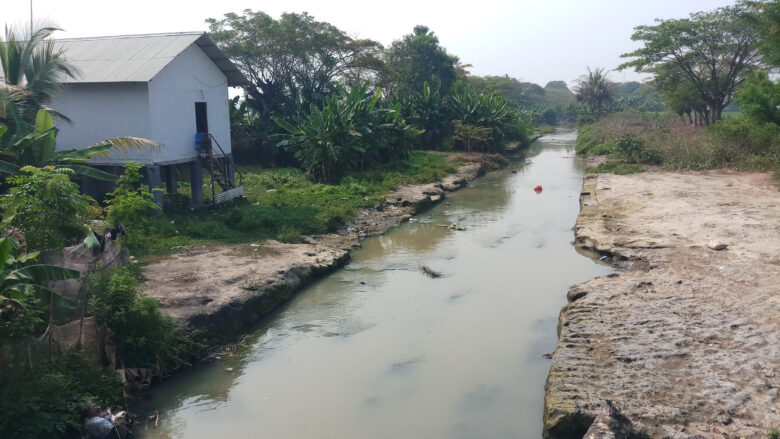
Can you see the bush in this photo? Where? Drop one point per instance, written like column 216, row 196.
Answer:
column 143, row 335
column 48, row 402
column 129, row 204
column 47, row 206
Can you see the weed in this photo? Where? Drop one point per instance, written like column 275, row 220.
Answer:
column 619, row 168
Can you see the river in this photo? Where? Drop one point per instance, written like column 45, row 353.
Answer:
column 379, row 350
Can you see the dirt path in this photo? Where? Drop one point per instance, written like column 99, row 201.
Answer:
column 224, row 289
column 687, row 340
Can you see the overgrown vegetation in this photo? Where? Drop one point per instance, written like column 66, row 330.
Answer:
column 701, row 64
column 142, row 335
column 283, row 204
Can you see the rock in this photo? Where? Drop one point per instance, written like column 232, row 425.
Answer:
column 609, row 425
column 717, row 245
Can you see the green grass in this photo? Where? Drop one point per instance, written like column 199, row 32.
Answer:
column 283, row 204
column 619, row 168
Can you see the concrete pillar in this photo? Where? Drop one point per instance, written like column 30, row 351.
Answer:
column 170, row 179
column 155, row 182
column 231, row 170
column 196, row 183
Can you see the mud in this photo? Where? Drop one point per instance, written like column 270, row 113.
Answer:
column 224, row 289
column 686, row 341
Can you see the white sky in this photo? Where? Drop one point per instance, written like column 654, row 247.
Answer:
column 533, row 40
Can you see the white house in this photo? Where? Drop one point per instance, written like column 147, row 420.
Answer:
column 162, row 87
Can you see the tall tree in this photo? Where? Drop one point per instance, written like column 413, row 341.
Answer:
column 767, row 23
column 415, row 59
column 595, row 91
column 558, row 85
column 32, row 70
column 292, row 61
column 713, row 50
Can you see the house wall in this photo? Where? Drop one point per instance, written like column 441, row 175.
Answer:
column 191, row 77
column 100, row 111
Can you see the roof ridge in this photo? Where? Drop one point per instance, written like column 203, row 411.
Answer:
column 113, row 37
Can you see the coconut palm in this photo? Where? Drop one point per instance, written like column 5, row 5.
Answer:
column 595, row 91
column 32, row 70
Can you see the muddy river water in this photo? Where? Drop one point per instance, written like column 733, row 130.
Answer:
column 380, row 350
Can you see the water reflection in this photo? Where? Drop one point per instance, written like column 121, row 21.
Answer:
column 380, row 350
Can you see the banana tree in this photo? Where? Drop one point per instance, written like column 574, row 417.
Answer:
column 34, row 145
column 21, row 278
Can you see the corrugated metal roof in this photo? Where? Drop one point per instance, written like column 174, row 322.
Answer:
column 138, row 58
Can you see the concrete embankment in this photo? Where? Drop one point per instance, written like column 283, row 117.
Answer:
column 225, row 289
column 686, row 340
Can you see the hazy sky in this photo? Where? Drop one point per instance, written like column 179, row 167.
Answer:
column 534, row 40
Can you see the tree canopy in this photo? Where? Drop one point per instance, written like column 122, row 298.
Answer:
column 710, row 51
column 293, row 61
column 595, row 91
column 415, row 59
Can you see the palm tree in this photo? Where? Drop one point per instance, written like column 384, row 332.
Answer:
column 595, row 90
column 32, row 70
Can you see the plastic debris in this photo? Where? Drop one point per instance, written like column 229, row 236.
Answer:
column 547, row 355
column 228, row 369
column 603, row 258
column 538, row 189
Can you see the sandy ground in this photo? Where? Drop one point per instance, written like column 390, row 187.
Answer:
column 224, row 289
column 686, row 340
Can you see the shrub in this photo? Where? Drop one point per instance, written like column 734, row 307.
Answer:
column 143, row 335
column 48, row 402
column 130, row 203
column 289, row 234
column 47, row 206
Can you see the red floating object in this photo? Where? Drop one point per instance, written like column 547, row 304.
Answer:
column 538, row 188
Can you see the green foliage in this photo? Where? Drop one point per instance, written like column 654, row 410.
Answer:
column 737, row 142
column 473, row 138
column 767, row 23
column 129, row 203
column 759, row 98
column 285, row 197
column 596, row 92
column 22, row 292
column 350, row 131
column 710, row 52
column 559, row 85
column 619, row 168
column 415, row 59
column 632, row 149
column 490, row 111
column 32, row 70
column 773, row 433
column 292, row 62
column 430, row 111
column 48, row 402
column 47, row 206
column 143, row 335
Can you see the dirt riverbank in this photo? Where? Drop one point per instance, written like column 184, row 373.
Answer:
column 686, row 340
column 224, row 289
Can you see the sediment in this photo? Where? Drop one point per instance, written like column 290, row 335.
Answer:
column 686, row 339
column 224, row 289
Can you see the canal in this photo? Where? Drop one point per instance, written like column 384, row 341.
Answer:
column 380, row 350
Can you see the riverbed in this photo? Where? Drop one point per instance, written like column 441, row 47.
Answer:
column 380, row 350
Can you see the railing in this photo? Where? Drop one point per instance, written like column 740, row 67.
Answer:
column 228, row 183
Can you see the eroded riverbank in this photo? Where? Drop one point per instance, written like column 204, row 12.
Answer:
column 687, row 340
column 225, row 289
column 378, row 349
